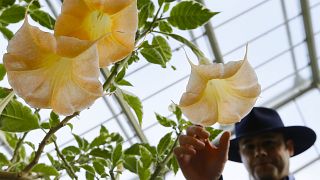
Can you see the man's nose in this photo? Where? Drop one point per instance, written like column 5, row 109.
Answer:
column 260, row 151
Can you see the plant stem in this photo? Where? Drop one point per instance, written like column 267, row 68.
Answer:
column 17, row 148
column 69, row 169
column 151, row 25
column 112, row 175
column 44, row 141
column 118, row 66
column 162, row 164
column 12, row 176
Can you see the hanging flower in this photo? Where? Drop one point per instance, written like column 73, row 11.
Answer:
column 53, row 72
column 92, row 19
column 221, row 93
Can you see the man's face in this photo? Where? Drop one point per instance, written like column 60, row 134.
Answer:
column 266, row 156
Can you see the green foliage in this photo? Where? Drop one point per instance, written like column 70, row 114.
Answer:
column 18, row 118
column 42, row 18
column 45, row 170
column 6, row 32
column 135, row 103
column 164, row 26
column 166, row 122
column 3, row 160
column 2, row 72
column 189, row 15
column 6, row 3
column 5, row 100
column 164, row 144
column 54, row 119
column 13, row 14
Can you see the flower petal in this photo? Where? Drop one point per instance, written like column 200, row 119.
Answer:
column 220, row 93
column 114, row 20
column 53, row 72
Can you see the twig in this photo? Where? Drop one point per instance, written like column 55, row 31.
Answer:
column 12, row 176
column 44, row 141
column 17, row 148
column 69, row 169
column 153, row 21
column 162, row 164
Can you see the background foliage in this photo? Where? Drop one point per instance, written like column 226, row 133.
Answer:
column 103, row 157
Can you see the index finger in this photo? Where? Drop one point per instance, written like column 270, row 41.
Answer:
column 197, row 131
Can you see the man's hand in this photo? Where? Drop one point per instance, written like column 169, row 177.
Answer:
column 198, row 158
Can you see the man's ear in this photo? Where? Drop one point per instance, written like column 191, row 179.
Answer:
column 290, row 146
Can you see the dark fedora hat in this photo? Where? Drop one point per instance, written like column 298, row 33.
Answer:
column 262, row 120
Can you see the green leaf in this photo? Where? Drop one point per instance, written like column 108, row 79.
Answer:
column 146, row 157
column 162, row 46
column 120, row 75
column 144, row 14
column 174, row 164
column 54, row 119
column 12, row 139
column 5, row 101
column 35, row 3
column 18, row 118
column 131, row 163
column 6, row 3
column 45, row 169
column 45, row 125
column 13, row 14
column 144, row 173
column 6, row 33
column 164, row 143
column 164, row 26
column 116, row 155
column 70, row 149
column 30, row 144
column 88, row 168
column 2, row 71
column 50, row 158
column 98, row 167
column 166, row 122
column 135, row 103
column 188, row 43
column 89, row 175
column 124, row 82
column 189, row 15
column 103, row 153
column 100, row 140
column 43, row 18
column 4, row 92
column 79, row 141
column 160, row 2
column 103, row 131
column 213, row 132
column 153, row 56
column 3, row 160
column 166, row 7
column 70, row 126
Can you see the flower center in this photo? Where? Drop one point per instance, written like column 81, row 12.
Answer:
column 99, row 24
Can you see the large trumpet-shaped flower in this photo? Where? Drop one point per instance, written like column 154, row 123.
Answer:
column 222, row 93
column 53, row 72
column 92, row 19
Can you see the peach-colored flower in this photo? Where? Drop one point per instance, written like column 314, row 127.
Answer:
column 92, row 19
column 221, row 93
column 53, row 72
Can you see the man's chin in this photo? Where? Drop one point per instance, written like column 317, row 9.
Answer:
column 265, row 172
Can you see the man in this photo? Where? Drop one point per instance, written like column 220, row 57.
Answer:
column 262, row 144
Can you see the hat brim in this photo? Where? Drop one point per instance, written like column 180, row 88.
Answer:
column 303, row 138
